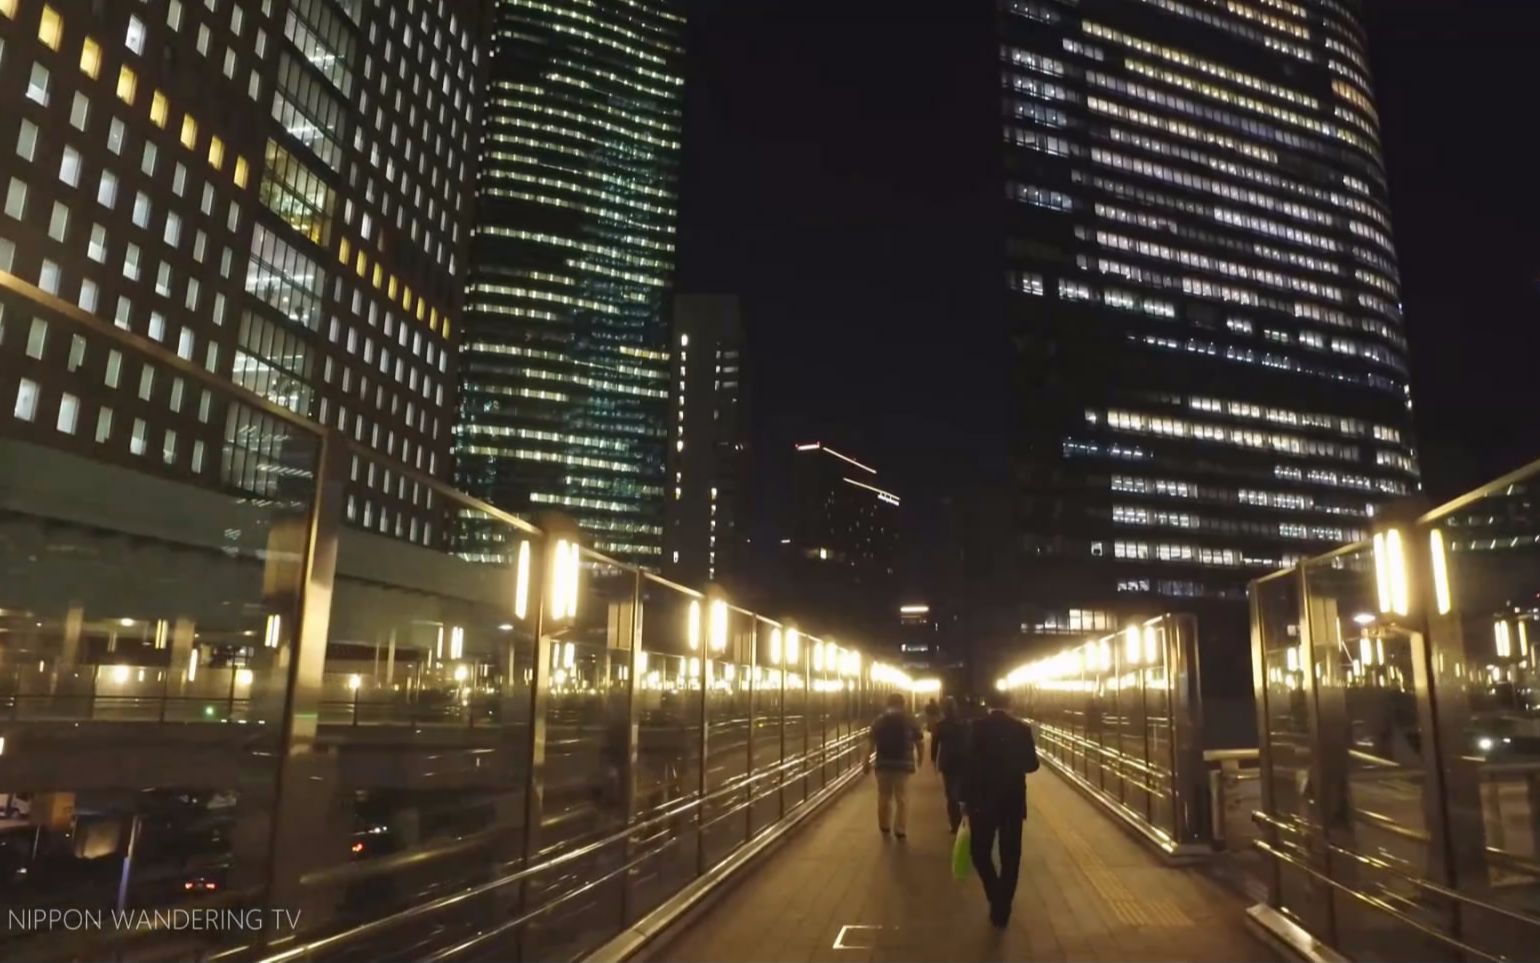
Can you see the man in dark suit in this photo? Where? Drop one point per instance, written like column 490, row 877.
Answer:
column 1001, row 754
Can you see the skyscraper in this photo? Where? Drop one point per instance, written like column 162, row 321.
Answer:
column 277, row 195
column 565, row 363
column 708, row 450
column 1203, row 289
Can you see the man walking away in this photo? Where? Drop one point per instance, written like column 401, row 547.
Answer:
column 1001, row 754
column 949, row 756
column 899, row 747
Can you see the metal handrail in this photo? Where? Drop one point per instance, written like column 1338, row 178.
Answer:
column 522, row 919
column 1083, row 742
column 376, row 926
column 1377, row 903
column 1418, row 881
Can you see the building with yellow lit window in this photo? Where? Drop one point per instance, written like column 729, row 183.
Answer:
column 277, row 191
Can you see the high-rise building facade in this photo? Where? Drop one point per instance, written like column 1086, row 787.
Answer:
column 1203, row 288
column 566, row 363
column 708, row 452
column 277, row 192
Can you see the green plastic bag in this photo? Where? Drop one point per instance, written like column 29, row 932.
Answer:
column 962, row 853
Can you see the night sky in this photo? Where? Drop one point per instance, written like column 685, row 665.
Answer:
column 821, row 184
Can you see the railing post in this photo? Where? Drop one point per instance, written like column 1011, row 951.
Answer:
column 1321, row 804
column 633, row 736
column 704, row 630
column 1458, row 830
column 750, row 785
column 1189, row 779
column 541, row 564
column 780, row 671
column 306, row 777
column 1260, row 697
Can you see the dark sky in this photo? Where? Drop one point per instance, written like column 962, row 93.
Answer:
column 821, row 185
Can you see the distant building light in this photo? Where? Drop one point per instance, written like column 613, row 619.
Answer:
column 916, row 609
column 882, row 496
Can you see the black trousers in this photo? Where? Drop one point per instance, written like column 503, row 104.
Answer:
column 999, row 885
column 953, row 783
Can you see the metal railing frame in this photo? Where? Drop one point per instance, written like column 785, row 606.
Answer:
column 298, row 783
column 1455, row 839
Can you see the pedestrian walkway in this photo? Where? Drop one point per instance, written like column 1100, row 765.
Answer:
column 840, row 891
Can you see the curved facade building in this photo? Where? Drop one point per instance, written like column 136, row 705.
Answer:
column 565, row 358
column 1202, row 285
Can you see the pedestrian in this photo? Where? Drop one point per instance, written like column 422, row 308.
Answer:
column 932, row 715
column 1001, row 753
column 899, row 747
column 949, row 756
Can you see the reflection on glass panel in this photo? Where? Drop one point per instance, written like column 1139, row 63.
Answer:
column 1365, row 691
column 587, row 729
column 667, row 777
column 728, row 697
column 1292, row 790
column 425, row 708
column 798, row 732
column 1107, row 713
column 138, row 611
column 1485, row 623
column 766, row 736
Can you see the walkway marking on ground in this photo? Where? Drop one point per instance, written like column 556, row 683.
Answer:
column 1150, row 911
column 854, row 928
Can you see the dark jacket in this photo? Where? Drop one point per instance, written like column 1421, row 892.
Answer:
column 894, row 736
column 949, row 745
column 1002, row 753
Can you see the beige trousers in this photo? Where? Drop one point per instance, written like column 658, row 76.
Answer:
column 893, row 794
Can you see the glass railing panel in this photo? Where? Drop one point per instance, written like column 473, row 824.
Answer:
column 1483, row 583
column 770, row 647
column 1363, row 659
column 153, row 528
column 587, row 732
column 668, row 773
column 799, row 733
column 729, row 695
column 1292, row 788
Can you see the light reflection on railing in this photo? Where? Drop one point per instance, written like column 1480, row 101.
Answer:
column 1401, row 736
column 1119, row 716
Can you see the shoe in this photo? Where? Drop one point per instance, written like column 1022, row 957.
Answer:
column 884, row 830
column 901, row 835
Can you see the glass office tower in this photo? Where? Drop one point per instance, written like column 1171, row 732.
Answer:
column 1203, row 290
column 565, row 364
column 277, row 192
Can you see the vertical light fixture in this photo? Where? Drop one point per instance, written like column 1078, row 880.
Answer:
column 793, row 647
column 1133, row 645
column 1502, row 638
column 521, row 582
column 1151, row 644
column 775, row 646
column 718, row 625
column 1381, row 572
column 456, row 642
column 1400, row 586
column 1440, row 565
column 692, row 627
column 273, row 632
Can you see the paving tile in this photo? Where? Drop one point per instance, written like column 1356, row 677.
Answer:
column 1088, row 891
